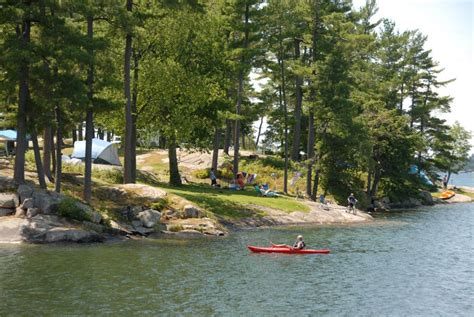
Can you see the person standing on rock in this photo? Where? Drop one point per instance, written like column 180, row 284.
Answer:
column 352, row 202
column 213, row 177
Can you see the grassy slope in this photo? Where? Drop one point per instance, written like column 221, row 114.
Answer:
column 233, row 204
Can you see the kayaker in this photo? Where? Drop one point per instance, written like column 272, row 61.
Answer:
column 298, row 245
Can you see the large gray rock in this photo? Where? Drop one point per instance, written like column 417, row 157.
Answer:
column 50, row 229
column 142, row 230
column 6, row 211
column 45, row 201
column 120, row 227
column 7, row 184
column 31, row 212
column 8, row 200
column 149, row 217
column 94, row 216
column 4, row 162
column 426, row 198
column 25, row 191
column 190, row 211
column 150, row 193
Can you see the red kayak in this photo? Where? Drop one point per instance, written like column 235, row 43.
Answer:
column 286, row 250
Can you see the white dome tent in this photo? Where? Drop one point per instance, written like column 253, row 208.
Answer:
column 103, row 152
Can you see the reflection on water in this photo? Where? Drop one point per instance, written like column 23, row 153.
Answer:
column 412, row 263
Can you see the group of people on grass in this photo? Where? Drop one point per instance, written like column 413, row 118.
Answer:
column 264, row 190
column 241, row 179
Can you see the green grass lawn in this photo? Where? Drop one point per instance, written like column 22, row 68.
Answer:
column 233, row 204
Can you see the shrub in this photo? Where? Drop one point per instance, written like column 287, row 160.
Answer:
column 202, row 174
column 68, row 208
column 160, row 205
column 176, row 228
column 113, row 175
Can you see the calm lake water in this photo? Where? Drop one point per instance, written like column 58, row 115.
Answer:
column 415, row 263
column 462, row 179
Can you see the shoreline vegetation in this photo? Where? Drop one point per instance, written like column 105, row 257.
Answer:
column 314, row 98
column 193, row 209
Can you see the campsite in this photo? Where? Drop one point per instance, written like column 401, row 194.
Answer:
column 236, row 158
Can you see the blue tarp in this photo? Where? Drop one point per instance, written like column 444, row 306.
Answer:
column 8, row 134
column 424, row 178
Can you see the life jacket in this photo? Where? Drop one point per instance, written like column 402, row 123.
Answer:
column 303, row 245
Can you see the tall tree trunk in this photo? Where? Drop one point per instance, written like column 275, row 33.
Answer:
column 109, row 136
column 298, row 105
column 59, row 137
column 285, row 111
column 259, row 133
column 240, row 92
column 53, row 152
column 175, row 178
column 227, row 136
column 80, row 136
column 89, row 117
column 311, row 129
column 314, row 193
column 74, row 136
column 47, row 139
column 23, row 34
column 129, row 168
column 215, row 151
column 243, row 142
column 39, row 164
column 136, row 59
column 310, row 152
column 375, row 184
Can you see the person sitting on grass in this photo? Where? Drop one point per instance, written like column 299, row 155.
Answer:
column 240, row 181
column 265, row 192
column 298, row 245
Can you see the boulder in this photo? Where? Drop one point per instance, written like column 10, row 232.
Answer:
column 94, row 216
column 49, row 229
column 121, row 227
column 7, row 184
column 25, row 191
column 6, row 211
column 149, row 193
column 4, row 162
column 426, row 198
column 135, row 210
column 112, row 193
column 46, row 202
column 149, row 217
column 31, row 212
column 27, row 203
column 136, row 223
column 8, row 200
column 142, row 230
column 190, row 211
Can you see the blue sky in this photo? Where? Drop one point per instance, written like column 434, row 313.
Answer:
column 448, row 25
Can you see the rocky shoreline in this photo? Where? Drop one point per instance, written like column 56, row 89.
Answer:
column 32, row 215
